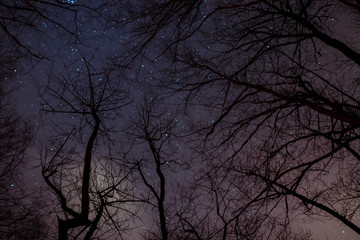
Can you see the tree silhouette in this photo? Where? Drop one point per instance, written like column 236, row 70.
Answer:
column 269, row 89
column 91, row 188
column 154, row 129
column 280, row 80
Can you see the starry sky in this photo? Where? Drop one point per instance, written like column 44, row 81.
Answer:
column 112, row 41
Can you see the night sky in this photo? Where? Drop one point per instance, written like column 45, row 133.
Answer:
column 226, row 99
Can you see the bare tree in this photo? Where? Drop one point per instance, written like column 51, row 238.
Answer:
column 196, row 207
column 154, row 131
column 281, row 82
column 90, row 187
column 271, row 87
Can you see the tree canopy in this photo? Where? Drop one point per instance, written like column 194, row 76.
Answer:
column 196, row 119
